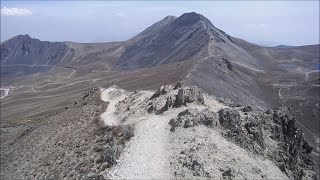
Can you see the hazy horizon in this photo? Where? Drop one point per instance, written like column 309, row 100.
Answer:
column 266, row 23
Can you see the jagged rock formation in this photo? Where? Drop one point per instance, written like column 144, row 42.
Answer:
column 182, row 98
column 292, row 153
column 272, row 134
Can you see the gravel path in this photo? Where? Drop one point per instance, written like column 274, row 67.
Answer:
column 146, row 155
column 6, row 91
column 113, row 96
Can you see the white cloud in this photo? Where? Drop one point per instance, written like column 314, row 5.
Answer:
column 5, row 11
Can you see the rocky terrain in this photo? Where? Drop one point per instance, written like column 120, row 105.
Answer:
column 41, row 81
column 208, row 137
column 175, row 132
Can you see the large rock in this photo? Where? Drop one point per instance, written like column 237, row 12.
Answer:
column 189, row 95
column 161, row 91
column 291, row 152
column 182, row 98
column 191, row 118
column 294, row 157
column 229, row 118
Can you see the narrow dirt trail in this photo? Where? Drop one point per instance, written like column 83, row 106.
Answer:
column 112, row 96
column 146, row 155
column 6, row 91
column 267, row 53
column 307, row 74
column 74, row 70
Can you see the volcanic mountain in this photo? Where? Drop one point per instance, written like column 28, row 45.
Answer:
column 46, row 76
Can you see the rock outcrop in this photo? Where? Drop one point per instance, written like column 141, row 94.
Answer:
column 191, row 118
column 290, row 151
column 178, row 96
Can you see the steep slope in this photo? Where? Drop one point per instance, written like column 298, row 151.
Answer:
column 181, row 39
column 154, row 28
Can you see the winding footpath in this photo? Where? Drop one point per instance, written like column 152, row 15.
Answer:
column 6, row 91
column 146, row 154
column 112, row 96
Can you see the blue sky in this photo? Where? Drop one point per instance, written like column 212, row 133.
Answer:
column 262, row 22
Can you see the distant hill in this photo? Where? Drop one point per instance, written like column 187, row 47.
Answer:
column 283, row 46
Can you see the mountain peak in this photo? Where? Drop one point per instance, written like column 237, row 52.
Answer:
column 191, row 14
column 192, row 18
column 22, row 36
column 170, row 17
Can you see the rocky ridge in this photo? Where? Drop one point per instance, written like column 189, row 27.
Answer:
column 268, row 140
column 175, row 132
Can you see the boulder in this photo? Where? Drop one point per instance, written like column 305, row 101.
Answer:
column 161, row 91
column 229, row 118
column 247, row 109
column 190, row 118
column 188, row 95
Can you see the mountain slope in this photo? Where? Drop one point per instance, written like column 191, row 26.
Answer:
column 181, row 39
column 23, row 55
column 292, row 75
column 23, row 49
